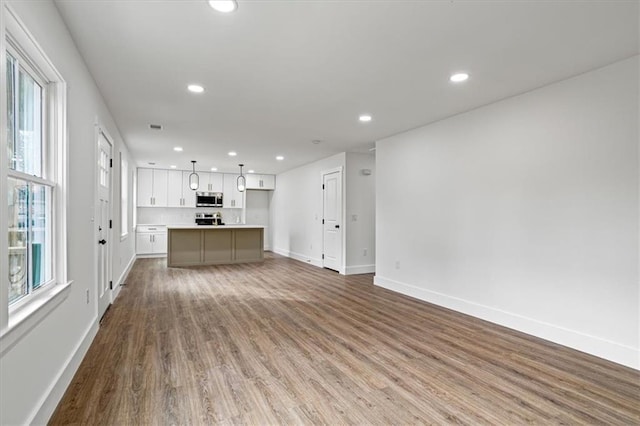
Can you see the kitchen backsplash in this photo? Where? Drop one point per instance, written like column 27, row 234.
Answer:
column 180, row 215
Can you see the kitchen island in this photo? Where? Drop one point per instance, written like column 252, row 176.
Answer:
column 191, row 245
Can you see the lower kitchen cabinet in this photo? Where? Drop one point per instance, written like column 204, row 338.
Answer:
column 151, row 240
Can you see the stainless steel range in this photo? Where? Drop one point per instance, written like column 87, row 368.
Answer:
column 209, row 218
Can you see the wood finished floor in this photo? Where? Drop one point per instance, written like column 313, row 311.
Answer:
column 286, row 343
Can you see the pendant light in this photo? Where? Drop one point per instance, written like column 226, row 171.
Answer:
column 242, row 182
column 194, row 179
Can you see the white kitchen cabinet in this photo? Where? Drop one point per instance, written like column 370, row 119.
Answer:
column 188, row 194
column 211, row 182
column 264, row 182
column 151, row 240
column 174, row 188
column 152, row 187
column 178, row 192
column 232, row 198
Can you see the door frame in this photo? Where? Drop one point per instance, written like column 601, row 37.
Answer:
column 99, row 129
column 343, row 239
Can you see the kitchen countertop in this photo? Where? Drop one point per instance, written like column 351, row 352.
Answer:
column 232, row 226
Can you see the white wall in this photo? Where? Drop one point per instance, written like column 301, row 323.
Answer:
column 36, row 370
column 125, row 247
column 523, row 212
column 360, row 213
column 296, row 210
column 257, row 212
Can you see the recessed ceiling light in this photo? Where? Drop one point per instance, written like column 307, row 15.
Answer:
column 316, row 141
column 232, row 153
column 224, row 6
column 177, row 148
column 365, row 118
column 214, row 169
column 155, row 126
column 250, row 171
column 195, row 88
column 459, row 77
column 279, row 158
column 172, row 166
column 152, row 163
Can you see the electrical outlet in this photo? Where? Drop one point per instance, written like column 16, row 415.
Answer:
column 354, row 217
column 397, row 264
column 364, row 252
column 87, row 296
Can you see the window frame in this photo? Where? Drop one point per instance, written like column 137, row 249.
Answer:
column 19, row 317
column 24, row 64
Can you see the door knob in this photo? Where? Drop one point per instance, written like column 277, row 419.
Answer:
column 102, row 241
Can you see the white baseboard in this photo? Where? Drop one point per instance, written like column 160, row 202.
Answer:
column 150, row 255
column 52, row 397
column 612, row 351
column 360, row 269
column 300, row 257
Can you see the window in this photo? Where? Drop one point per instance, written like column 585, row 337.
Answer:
column 29, row 189
column 124, row 196
column 34, row 173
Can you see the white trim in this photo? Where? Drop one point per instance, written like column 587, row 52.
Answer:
column 343, row 205
column 27, row 316
column 612, row 351
column 300, row 257
column 360, row 269
column 123, row 171
column 28, row 44
column 56, row 161
column 150, row 255
column 4, row 238
column 49, row 401
column 100, row 130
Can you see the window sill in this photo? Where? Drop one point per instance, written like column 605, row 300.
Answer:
column 26, row 317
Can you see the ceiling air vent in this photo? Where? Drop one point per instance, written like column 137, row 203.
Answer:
column 155, row 126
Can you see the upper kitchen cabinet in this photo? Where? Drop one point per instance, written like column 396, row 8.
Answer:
column 152, row 187
column 232, row 198
column 211, row 182
column 179, row 194
column 266, row 182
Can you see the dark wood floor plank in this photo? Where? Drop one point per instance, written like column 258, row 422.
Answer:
column 282, row 342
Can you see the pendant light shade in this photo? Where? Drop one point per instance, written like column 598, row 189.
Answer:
column 194, row 179
column 242, row 182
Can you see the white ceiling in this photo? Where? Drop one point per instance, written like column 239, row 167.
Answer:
column 279, row 74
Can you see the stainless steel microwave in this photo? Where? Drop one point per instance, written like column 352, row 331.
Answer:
column 208, row 199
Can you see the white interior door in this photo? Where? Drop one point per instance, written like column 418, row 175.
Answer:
column 103, row 215
column 332, row 218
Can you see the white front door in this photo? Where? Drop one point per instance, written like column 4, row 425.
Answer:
column 103, row 215
column 332, row 218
